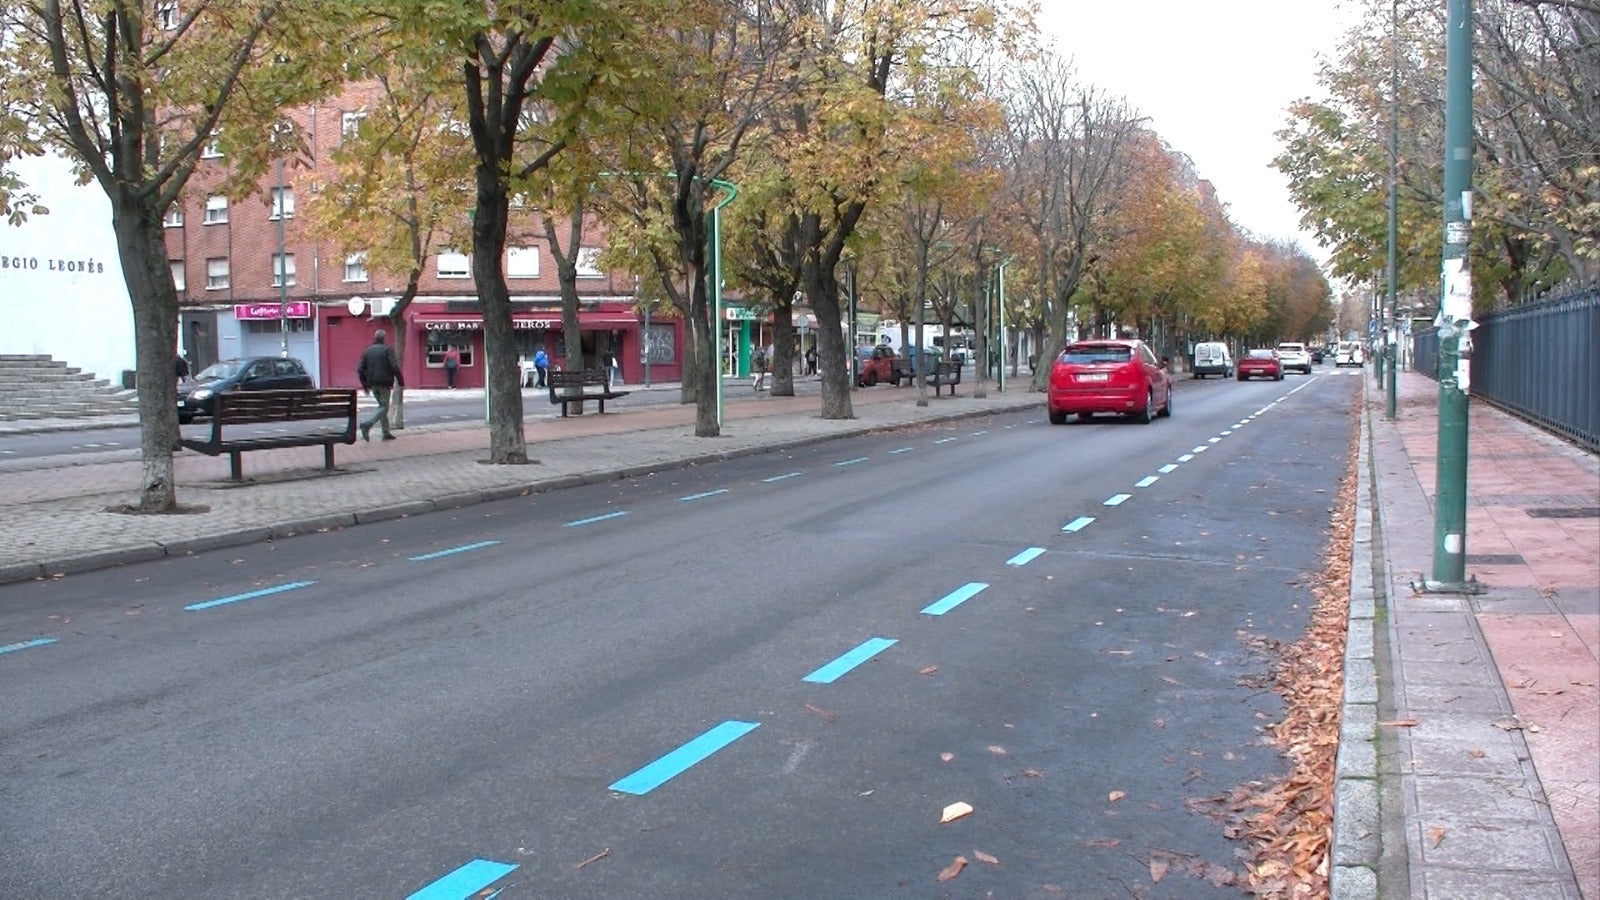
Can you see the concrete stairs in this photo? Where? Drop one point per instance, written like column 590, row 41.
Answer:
column 39, row 387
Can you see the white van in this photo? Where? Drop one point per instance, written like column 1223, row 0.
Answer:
column 1212, row 358
column 1350, row 353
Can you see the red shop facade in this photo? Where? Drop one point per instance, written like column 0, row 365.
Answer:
column 432, row 326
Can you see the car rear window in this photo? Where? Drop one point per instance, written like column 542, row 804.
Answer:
column 1260, row 354
column 1096, row 353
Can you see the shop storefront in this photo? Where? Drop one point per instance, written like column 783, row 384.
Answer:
column 605, row 329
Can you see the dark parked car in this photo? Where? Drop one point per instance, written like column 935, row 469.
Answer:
column 255, row 373
column 1262, row 362
column 1108, row 376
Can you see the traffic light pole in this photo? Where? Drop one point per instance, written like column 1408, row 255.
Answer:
column 1455, row 312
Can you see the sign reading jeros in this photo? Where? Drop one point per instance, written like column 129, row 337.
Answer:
column 297, row 309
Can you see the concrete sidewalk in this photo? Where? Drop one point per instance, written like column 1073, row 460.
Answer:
column 1469, row 759
column 71, row 528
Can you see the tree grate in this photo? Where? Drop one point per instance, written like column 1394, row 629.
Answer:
column 1565, row 512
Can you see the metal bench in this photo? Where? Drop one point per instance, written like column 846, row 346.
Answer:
column 569, row 388
column 945, row 374
column 335, row 406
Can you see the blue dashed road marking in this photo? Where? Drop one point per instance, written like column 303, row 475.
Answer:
column 1168, row 469
column 831, row 672
column 902, row 450
column 702, row 496
column 1147, row 481
column 675, row 763
column 977, row 433
column 1117, row 499
column 1186, row 457
column 944, row 440
column 25, row 645
column 453, row 550
column 1214, row 440
column 251, row 595
column 1025, row 557
column 780, row 477
column 466, row 881
column 954, row 599
column 1078, row 524
column 851, row 462
column 592, row 519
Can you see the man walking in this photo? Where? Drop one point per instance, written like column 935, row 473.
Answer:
column 541, row 365
column 379, row 372
column 758, row 367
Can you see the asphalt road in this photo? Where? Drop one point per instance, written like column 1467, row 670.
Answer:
column 1059, row 626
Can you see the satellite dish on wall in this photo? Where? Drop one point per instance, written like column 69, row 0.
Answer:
column 357, row 306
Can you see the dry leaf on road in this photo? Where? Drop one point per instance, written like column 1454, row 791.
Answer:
column 946, row 756
column 987, row 858
column 1114, row 796
column 1158, row 869
column 928, row 670
column 954, row 869
column 997, row 750
column 955, row 811
column 1435, row 836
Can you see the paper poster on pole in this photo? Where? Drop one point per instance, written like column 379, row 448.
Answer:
column 1457, row 306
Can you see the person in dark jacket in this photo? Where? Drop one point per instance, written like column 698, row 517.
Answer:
column 379, row 372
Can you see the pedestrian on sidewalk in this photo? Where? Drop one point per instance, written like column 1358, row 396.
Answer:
column 541, row 365
column 758, row 367
column 379, row 372
column 452, row 362
column 182, row 368
column 811, row 360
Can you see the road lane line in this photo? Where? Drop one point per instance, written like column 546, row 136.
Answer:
column 1214, row 440
column 902, row 450
column 954, row 599
column 251, row 595
column 705, row 495
column 675, row 763
column 1078, row 524
column 1025, row 557
column 466, row 881
column 1168, row 469
column 866, row 650
column 780, row 477
column 1147, row 481
column 1117, row 499
column 851, row 462
column 977, row 433
column 453, row 550
column 592, row 519
column 944, row 440
column 1201, row 449
column 25, row 645
column 1186, row 457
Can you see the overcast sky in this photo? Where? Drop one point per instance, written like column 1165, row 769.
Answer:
column 1215, row 79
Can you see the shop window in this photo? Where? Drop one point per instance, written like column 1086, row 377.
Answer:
column 522, row 262
column 276, row 326
column 438, row 341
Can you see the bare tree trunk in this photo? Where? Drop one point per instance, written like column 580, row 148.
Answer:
column 783, row 349
column 143, row 253
column 503, row 387
column 397, row 398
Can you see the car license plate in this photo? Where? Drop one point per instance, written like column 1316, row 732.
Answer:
column 1094, row 376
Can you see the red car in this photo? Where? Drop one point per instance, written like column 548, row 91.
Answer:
column 1260, row 363
column 1108, row 376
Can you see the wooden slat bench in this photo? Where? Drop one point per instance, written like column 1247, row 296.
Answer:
column 568, row 388
column 945, row 374
column 334, row 406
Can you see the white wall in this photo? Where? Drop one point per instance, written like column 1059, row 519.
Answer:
column 61, row 287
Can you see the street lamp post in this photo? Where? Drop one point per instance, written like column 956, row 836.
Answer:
column 282, row 273
column 1391, row 337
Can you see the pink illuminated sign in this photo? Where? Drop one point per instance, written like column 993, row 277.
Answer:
column 298, row 309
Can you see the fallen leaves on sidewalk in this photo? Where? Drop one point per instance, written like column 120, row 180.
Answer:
column 1435, row 836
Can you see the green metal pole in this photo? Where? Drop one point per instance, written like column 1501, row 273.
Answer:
column 1004, row 347
column 729, row 192
column 1455, row 306
column 1389, row 335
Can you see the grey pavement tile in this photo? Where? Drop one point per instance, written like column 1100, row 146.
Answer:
column 1352, row 883
column 1432, row 645
column 1468, row 673
column 1407, row 605
column 1465, row 748
column 1358, row 638
column 1360, row 681
column 1457, row 840
column 1454, row 884
column 1357, row 837
column 1484, row 798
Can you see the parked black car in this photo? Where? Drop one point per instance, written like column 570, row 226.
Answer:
column 256, row 373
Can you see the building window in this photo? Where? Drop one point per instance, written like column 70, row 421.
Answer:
column 522, row 262
column 216, row 210
column 167, row 14
column 282, row 203
column 174, row 217
column 282, row 269
column 588, row 263
column 177, row 274
column 350, row 124
column 355, row 267
column 438, row 341
column 276, row 326
column 216, row 273
column 453, row 265
column 212, row 149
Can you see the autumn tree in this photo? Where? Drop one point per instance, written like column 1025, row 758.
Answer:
column 132, row 93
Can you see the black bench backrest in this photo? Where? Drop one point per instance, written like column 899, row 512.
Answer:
column 243, row 407
column 579, row 378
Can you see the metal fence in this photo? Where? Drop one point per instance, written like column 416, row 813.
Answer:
column 1540, row 361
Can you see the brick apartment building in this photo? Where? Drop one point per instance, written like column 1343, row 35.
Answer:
column 225, row 263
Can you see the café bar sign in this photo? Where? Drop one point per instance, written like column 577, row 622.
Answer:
column 476, row 324
column 297, row 309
